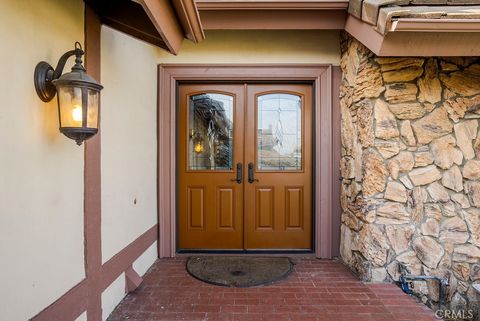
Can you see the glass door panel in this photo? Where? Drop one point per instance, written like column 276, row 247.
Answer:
column 279, row 132
column 210, row 132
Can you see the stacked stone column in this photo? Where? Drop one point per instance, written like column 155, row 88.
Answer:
column 410, row 169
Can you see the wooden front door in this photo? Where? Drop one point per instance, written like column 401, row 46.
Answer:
column 244, row 167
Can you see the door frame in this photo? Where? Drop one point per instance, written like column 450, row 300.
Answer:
column 325, row 185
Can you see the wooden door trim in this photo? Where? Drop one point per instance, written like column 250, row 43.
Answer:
column 321, row 77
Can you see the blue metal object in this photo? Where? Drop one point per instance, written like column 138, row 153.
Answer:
column 404, row 285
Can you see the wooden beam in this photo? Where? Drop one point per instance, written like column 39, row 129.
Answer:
column 165, row 21
column 128, row 17
column 190, row 19
column 92, row 178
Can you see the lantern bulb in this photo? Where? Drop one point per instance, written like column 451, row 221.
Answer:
column 77, row 113
column 198, row 148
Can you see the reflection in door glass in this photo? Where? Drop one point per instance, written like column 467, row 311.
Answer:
column 210, row 132
column 279, row 132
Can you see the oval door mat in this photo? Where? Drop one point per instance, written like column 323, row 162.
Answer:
column 239, row 271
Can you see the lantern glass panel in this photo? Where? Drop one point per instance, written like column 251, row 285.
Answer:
column 70, row 106
column 92, row 114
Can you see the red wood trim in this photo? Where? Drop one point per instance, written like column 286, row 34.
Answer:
column 68, row 307
column 273, row 19
column 190, row 19
column 168, row 75
column 93, row 196
column 336, row 155
column 364, row 33
column 121, row 261
column 132, row 280
column 271, row 4
column 323, row 182
column 165, row 21
column 166, row 166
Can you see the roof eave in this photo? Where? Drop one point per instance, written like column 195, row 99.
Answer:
column 175, row 20
column 415, row 41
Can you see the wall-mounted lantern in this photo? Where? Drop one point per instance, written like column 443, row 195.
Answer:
column 197, row 140
column 78, row 95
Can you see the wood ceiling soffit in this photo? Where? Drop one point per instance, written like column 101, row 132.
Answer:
column 162, row 14
column 128, row 17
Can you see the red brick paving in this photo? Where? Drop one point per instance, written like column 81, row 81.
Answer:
column 317, row 290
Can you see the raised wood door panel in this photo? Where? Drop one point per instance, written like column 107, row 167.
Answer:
column 278, row 140
column 210, row 142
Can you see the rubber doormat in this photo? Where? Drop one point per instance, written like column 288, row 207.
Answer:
column 239, row 271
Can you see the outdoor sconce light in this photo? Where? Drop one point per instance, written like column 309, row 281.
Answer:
column 78, row 95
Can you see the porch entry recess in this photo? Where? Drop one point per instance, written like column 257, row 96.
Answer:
column 244, row 156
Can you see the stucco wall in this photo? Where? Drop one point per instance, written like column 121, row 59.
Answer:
column 41, row 176
column 410, row 171
column 129, row 152
column 260, row 46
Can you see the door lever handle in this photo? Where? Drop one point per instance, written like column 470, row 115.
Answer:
column 251, row 178
column 239, row 174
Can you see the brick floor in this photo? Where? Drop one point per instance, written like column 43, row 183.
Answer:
column 317, row 290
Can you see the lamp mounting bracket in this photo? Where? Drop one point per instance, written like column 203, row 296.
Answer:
column 44, row 73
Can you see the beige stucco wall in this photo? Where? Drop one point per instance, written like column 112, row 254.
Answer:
column 260, row 46
column 112, row 295
column 41, row 176
column 129, row 153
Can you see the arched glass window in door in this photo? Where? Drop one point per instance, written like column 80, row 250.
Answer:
column 279, row 132
column 210, row 144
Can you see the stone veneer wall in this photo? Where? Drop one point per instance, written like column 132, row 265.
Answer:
column 410, row 169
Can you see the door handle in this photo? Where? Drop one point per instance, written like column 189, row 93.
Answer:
column 251, row 178
column 239, row 174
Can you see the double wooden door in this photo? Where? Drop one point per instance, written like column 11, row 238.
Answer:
column 244, row 167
